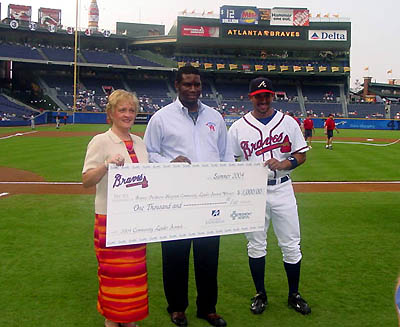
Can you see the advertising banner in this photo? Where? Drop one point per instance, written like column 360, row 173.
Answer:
column 49, row 16
column 355, row 123
column 239, row 15
column 258, row 32
column 290, row 17
column 20, row 12
column 327, row 35
column 265, row 14
column 202, row 31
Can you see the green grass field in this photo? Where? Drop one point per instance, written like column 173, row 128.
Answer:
column 349, row 242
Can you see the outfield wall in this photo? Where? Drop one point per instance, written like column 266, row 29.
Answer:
column 346, row 123
column 359, row 123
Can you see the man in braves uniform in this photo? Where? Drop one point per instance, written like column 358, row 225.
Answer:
column 328, row 128
column 308, row 126
column 268, row 136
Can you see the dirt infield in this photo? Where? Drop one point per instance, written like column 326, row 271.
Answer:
column 15, row 181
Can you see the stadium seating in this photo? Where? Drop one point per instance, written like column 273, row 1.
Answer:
column 57, row 54
column 288, row 106
column 62, row 83
column 366, row 110
column 150, row 88
column 395, row 111
column 324, row 109
column 232, row 91
column 138, row 61
column 102, row 57
column 12, row 111
column 320, row 93
column 19, row 51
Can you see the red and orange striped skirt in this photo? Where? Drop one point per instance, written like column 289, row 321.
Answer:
column 122, row 274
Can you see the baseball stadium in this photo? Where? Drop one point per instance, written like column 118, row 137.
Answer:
column 55, row 82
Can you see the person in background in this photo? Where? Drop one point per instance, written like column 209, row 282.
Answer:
column 329, row 127
column 58, row 117
column 122, row 272
column 298, row 121
column 308, row 126
column 32, row 119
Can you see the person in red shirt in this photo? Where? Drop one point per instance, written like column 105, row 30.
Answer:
column 329, row 127
column 291, row 114
column 308, row 126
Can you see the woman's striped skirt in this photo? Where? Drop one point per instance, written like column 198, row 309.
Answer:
column 122, row 274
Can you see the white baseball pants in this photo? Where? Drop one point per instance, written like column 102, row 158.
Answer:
column 281, row 209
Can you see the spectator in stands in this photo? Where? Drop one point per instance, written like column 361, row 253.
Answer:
column 171, row 136
column 122, row 271
column 308, row 127
column 328, row 128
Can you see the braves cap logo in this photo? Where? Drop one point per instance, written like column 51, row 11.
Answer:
column 262, row 84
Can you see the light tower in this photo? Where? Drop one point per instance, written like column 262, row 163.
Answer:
column 93, row 16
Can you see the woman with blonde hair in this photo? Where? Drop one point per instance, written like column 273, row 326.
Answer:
column 122, row 273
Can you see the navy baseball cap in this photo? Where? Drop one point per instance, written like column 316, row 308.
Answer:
column 260, row 85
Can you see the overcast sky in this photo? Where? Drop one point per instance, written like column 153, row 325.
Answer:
column 375, row 24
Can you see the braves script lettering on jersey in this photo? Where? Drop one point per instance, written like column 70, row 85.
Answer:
column 252, row 140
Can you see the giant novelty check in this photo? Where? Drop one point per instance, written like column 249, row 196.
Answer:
column 160, row 202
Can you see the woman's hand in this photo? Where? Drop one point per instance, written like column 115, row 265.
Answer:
column 93, row 176
column 116, row 159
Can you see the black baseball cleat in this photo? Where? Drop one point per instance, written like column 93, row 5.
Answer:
column 296, row 302
column 258, row 303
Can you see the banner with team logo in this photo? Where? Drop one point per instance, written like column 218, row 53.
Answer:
column 239, row 15
column 202, row 31
column 154, row 202
column 290, row 17
column 20, row 12
column 48, row 16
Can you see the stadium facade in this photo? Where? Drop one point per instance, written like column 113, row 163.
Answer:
column 308, row 61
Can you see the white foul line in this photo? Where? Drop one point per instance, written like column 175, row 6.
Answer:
column 17, row 134
column 3, row 194
column 360, row 143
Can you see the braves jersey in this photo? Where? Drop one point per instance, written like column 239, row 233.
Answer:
column 251, row 140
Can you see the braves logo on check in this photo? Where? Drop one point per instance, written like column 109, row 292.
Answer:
column 131, row 181
column 268, row 144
